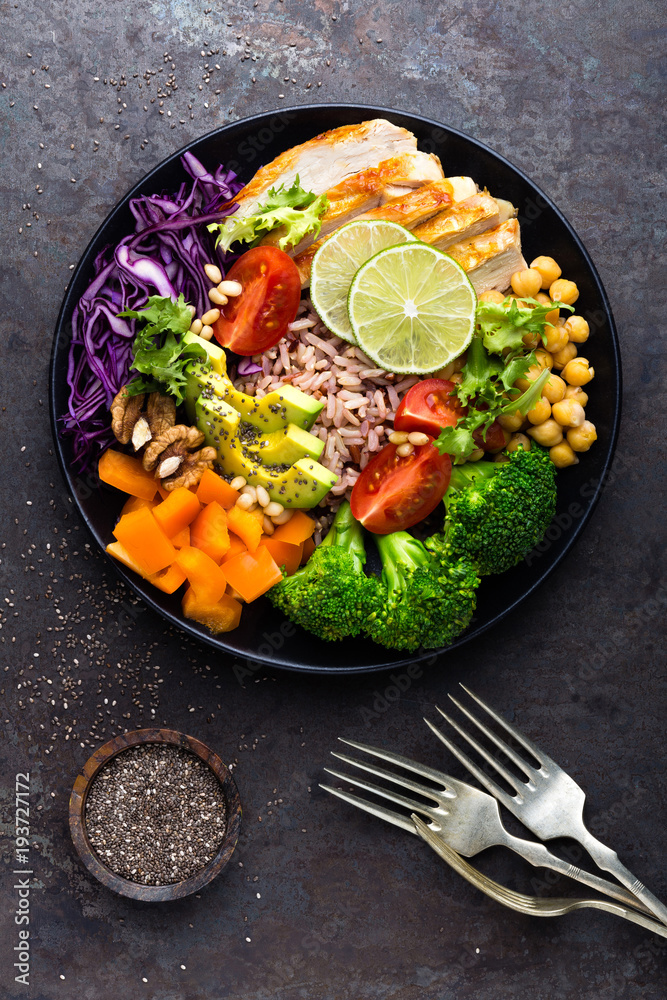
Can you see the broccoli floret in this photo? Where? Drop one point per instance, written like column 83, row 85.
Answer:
column 497, row 512
column 327, row 595
column 418, row 601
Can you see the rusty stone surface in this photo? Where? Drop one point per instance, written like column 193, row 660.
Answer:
column 334, row 904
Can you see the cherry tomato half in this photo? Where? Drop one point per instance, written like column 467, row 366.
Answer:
column 494, row 439
column 394, row 493
column 257, row 318
column 428, row 407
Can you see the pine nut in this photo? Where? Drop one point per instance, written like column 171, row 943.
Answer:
column 245, row 501
column 196, row 326
column 417, row 438
column 273, row 509
column 213, row 273
column 210, row 317
column 253, row 506
column 231, row 288
column 238, row 483
column 263, row 498
column 268, row 526
column 206, row 332
column 404, row 450
column 250, row 491
column 284, row 517
column 217, row 297
column 191, row 310
column 398, row 437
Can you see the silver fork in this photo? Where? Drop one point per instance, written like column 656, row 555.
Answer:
column 464, row 817
column 549, row 802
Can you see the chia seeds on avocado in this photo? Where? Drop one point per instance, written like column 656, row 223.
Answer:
column 156, row 814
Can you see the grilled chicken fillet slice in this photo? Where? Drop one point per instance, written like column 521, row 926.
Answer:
column 328, row 160
column 462, row 221
column 491, row 259
column 408, row 211
column 368, row 189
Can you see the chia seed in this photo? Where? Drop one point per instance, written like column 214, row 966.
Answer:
column 156, row 814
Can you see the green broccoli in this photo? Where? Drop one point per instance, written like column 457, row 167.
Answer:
column 497, row 511
column 327, row 595
column 418, row 601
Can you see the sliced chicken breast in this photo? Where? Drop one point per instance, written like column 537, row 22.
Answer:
column 328, row 159
column 463, row 187
column 462, row 221
column 408, row 211
column 491, row 259
column 367, row 190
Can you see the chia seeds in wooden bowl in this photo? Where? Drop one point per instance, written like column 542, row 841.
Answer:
column 155, row 814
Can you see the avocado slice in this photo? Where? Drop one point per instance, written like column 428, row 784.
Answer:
column 272, row 412
column 298, row 481
column 216, row 354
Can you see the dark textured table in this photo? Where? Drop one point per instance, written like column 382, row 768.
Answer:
column 321, row 902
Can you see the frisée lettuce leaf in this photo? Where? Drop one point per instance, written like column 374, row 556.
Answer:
column 297, row 211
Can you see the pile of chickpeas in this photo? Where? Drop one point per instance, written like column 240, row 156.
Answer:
column 558, row 420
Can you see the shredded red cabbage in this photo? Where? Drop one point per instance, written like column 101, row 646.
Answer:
column 165, row 255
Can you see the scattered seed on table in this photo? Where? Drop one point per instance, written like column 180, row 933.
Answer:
column 156, row 814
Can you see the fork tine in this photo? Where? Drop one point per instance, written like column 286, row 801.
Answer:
column 490, row 786
column 513, row 756
column 370, row 807
column 510, row 778
column 528, row 744
column 409, row 765
column 385, row 793
column 397, row 779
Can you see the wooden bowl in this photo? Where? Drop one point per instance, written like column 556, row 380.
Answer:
column 77, row 821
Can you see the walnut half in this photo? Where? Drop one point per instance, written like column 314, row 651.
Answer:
column 130, row 423
column 175, row 458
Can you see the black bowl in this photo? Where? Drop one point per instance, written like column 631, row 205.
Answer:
column 263, row 635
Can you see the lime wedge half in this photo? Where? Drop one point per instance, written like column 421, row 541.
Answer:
column 337, row 261
column 412, row 308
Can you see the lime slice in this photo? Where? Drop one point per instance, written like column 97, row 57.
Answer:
column 412, row 308
column 337, row 261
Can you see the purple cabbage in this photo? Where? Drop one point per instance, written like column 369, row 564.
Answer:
column 248, row 367
column 165, row 255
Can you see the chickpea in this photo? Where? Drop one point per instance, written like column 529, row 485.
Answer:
column 547, row 434
column 511, row 421
column 581, row 438
column 531, row 375
column 476, row 455
column 500, row 457
column 555, row 389
column 527, row 282
column 543, row 358
column 577, row 393
column 540, row 412
column 577, row 329
column 492, row 296
column 548, row 270
column 531, row 340
column 562, row 455
column 568, row 413
column 555, row 338
column 566, row 355
column 565, row 291
column 578, row 372
column 543, row 299
column 519, row 442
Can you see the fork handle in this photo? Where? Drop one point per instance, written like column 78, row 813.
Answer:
column 541, row 857
column 607, row 859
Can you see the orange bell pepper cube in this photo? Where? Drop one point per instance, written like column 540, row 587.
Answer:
column 284, row 554
column 252, row 574
column 214, row 487
column 169, row 579
column 223, row 616
column 308, row 549
column 145, row 541
column 297, row 530
column 236, row 545
column 205, row 576
column 177, row 511
column 246, row 526
column 208, row 531
column 181, row 538
column 136, row 503
column 127, row 474
column 120, row 553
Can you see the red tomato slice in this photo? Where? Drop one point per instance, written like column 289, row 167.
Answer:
column 257, row 318
column 393, row 493
column 428, row 407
